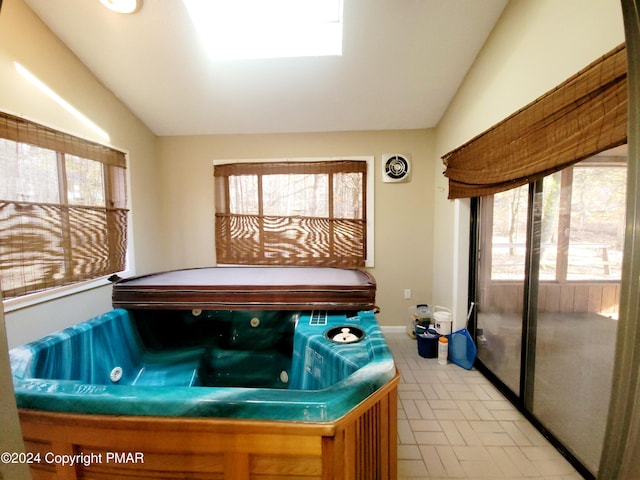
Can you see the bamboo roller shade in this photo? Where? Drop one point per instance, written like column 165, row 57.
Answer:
column 584, row 115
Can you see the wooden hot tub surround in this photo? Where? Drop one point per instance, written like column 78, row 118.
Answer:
column 360, row 445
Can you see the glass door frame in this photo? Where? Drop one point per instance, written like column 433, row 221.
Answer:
column 530, row 300
column 523, row 400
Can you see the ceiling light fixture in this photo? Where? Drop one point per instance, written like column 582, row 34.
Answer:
column 122, row 6
column 244, row 29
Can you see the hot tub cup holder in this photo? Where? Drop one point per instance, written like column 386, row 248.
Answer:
column 344, row 334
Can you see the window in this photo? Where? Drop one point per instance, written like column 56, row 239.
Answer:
column 311, row 213
column 63, row 216
column 548, row 282
column 596, row 233
column 583, row 211
column 505, row 217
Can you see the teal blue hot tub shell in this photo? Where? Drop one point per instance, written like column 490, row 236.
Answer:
column 107, row 365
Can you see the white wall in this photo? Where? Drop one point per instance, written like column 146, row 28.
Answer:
column 536, row 45
column 26, row 40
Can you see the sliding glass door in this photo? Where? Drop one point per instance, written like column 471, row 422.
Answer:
column 547, row 286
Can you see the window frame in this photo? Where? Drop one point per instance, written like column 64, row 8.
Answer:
column 36, row 298
column 561, row 268
column 370, row 182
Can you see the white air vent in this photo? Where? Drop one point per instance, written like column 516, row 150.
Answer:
column 395, row 168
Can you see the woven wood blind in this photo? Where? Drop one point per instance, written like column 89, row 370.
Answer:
column 251, row 236
column 583, row 116
column 44, row 244
column 23, row 131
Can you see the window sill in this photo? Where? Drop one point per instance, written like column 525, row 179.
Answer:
column 26, row 301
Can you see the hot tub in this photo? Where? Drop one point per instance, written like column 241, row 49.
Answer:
column 211, row 393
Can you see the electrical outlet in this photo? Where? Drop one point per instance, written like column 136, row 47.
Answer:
column 407, row 293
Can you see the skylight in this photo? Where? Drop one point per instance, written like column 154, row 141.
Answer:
column 245, row 29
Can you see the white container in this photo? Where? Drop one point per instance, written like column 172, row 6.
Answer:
column 442, row 320
column 443, row 350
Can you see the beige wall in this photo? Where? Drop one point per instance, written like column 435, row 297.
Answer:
column 403, row 211
column 536, row 45
column 24, row 39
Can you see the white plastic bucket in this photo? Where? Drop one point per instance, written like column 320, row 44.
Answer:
column 442, row 320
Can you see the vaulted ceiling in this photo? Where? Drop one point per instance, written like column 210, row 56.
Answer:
column 402, row 63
